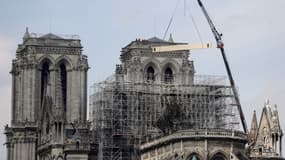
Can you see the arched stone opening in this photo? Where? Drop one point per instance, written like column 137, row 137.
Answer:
column 64, row 60
column 63, row 66
column 45, row 75
column 150, row 74
column 194, row 156
column 219, row 156
column 63, row 84
column 169, row 71
column 168, row 75
column 151, row 68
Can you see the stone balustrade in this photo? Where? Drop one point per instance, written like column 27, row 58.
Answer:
column 195, row 134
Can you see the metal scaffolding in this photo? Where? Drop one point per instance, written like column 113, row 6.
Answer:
column 124, row 113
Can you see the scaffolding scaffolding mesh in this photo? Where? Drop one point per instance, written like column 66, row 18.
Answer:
column 125, row 113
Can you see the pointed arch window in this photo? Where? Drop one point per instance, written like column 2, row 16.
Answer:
column 44, row 79
column 194, row 156
column 63, row 84
column 219, row 156
column 168, row 75
column 150, row 74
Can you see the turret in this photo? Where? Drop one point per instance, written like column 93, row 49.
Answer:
column 26, row 35
column 253, row 129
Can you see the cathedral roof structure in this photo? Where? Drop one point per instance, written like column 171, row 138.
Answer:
column 157, row 40
column 50, row 39
column 51, row 36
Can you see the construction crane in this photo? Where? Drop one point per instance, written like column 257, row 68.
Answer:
column 220, row 45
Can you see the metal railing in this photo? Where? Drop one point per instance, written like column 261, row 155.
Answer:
column 63, row 36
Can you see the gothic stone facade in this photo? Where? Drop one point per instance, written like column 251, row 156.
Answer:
column 49, row 96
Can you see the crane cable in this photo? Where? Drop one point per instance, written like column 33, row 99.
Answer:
column 191, row 17
column 194, row 22
column 171, row 19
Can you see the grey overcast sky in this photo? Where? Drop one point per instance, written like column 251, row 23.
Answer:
column 253, row 34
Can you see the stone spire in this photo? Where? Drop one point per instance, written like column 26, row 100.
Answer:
column 253, row 129
column 26, row 35
column 275, row 119
column 170, row 38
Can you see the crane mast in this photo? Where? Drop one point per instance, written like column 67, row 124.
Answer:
column 220, row 45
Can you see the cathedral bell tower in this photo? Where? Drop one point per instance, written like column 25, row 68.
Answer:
column 141, row 65
column 49, row 95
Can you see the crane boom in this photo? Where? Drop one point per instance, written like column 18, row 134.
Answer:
column 220, row 45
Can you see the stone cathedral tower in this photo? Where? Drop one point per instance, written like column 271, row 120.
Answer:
column 49, row 95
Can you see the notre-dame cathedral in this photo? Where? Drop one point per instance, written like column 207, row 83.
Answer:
column 153, row 108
